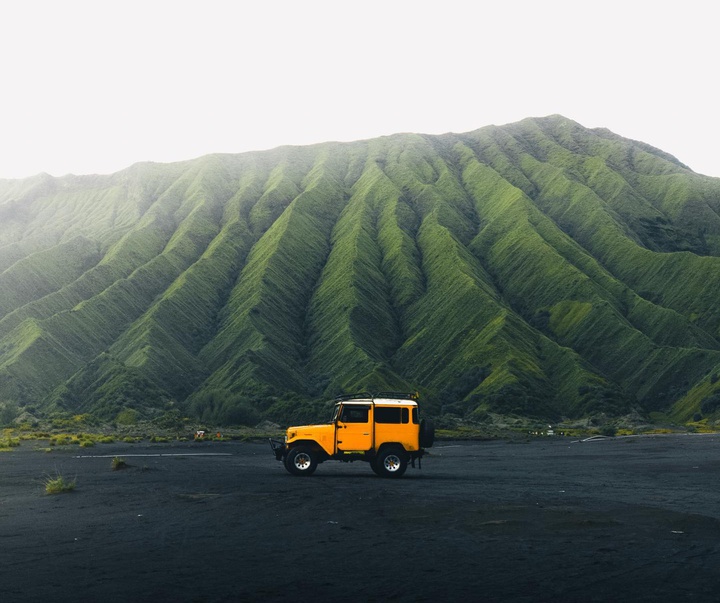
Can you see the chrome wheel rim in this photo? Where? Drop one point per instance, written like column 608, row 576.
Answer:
column 392, row 463
column 302, row 461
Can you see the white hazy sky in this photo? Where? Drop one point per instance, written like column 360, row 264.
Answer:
column 95, row 86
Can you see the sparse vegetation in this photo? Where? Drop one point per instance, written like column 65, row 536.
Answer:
column 118, row 464
column 59, row 484
column 608, row 430
column 8, row 443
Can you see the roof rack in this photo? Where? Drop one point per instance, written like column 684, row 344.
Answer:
column 365, row 395
column 353, row 396
column 398, row 395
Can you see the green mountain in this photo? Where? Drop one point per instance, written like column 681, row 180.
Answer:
column 539, row 268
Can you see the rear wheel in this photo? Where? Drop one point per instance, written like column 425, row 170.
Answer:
column 301, row 461
column 391, row 462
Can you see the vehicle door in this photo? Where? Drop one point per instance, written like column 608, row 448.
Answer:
column 354, row 427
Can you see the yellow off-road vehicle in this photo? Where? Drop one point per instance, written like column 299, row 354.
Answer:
column 382, row 429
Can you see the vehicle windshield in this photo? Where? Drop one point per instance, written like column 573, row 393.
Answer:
column 335, row 413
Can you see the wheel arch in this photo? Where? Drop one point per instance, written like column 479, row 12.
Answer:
column 395, row 445
column 313, row 445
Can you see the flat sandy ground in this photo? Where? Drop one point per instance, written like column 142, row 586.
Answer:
column 624, row 519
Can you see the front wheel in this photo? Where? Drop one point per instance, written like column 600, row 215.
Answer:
column 301, row 461
column 390, row 463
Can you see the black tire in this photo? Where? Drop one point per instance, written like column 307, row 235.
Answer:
column 391, row 462
column 375, row 467
column 427, row 433
column 301, row 460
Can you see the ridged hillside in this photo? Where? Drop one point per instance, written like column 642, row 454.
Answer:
column 539, row 268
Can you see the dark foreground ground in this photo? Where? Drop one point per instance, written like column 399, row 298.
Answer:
column 626, row 519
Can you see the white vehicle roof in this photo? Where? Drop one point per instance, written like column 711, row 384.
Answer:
column 382, row 401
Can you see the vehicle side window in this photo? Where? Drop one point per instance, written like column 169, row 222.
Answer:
column 355, row 414
column 415, row 416
column 391, row 415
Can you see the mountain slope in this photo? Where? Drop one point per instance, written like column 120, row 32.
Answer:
column 539, row 268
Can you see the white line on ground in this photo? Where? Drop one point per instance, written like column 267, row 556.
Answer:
column 110, row 456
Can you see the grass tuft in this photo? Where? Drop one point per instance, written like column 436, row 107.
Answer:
column 8, row 443
column 59, row 484
column 118, row 464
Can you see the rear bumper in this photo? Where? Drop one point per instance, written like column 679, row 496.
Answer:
column 279, row 449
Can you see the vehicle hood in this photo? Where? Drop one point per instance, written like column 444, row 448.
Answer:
column 301, row 432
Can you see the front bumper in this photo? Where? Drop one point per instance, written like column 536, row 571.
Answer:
column 278, row 448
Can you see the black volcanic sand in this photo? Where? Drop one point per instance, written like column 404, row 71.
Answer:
column 624, row 519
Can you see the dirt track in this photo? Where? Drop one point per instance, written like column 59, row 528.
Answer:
column 617, row 520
